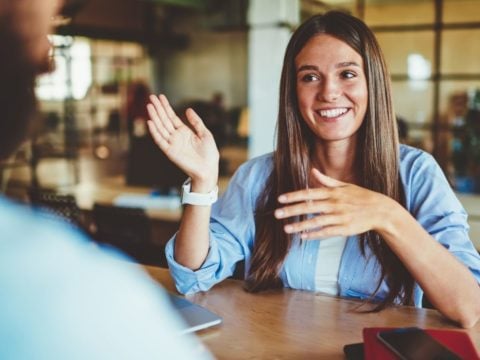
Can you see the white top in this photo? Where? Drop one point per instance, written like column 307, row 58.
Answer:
column 328, row 264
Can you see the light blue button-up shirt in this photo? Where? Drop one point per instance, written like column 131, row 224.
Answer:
column 429, row 198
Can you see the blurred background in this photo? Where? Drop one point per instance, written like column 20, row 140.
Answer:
column 223, row 58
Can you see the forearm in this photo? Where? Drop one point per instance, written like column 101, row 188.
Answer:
column 346, row 209
column 447, row 283
column 192, row 241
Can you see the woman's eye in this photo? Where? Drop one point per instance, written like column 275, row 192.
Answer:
column 348, row 74
column 309, row 77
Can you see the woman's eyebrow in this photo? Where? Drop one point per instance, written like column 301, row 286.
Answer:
column 307, row 67
column 339, row 65
column 347, row 64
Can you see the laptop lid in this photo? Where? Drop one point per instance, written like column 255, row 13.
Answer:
column 195, row 316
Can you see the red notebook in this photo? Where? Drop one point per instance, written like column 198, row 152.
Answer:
column 456, row 340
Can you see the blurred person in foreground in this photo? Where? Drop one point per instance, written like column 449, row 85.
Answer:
column 60, row 297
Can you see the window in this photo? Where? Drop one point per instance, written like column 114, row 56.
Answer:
column 73, row 70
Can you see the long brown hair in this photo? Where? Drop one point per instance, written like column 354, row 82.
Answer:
column 377, row 157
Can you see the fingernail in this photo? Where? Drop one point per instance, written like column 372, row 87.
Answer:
column 282, row 198
column 288, row 228
column 279, row 213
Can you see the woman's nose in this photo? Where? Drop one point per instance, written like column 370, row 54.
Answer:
column 329, row 90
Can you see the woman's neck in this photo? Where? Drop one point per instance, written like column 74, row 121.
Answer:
column 336, row 159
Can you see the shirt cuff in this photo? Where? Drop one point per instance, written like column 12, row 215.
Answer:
column 188, row 281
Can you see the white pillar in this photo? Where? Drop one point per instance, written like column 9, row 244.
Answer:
column 270, row 22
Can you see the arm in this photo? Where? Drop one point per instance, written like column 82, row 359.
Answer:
column 232, row 231
column 447, row 282
column 348, row 209
column 194, row 151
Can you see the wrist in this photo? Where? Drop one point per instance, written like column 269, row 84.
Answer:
column 390, row 219
column 204, row 185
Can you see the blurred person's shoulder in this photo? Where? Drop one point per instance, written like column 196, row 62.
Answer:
column 46, row 250
column 24, row 227
column 41, row 246
column 61, row 284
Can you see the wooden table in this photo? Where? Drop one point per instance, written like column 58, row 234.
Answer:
column 289, row 324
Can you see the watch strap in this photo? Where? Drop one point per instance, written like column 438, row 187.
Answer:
column 202, row 199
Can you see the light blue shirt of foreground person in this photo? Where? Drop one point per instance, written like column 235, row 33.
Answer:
column 429, row 198
column 63, row 298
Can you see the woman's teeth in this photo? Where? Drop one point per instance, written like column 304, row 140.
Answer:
column 330, row 113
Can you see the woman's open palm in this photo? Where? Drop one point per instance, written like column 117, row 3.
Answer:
column 193, row 150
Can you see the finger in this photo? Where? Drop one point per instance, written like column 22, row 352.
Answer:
column 305, row 195
column 157, row 123
column 157, row 137
column 170, row 113
column 303, row 208
column 313, row 224
column 325, row 180
column 325, row 233
column 157, row 113
column 162, row 114
column 196, row 122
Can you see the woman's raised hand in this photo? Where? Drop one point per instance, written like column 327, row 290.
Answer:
column 193, row 149
column 337, row 209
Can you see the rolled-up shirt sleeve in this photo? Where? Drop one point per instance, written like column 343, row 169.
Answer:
column 232, row 231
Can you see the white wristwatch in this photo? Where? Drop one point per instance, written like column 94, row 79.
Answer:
column 197, row 198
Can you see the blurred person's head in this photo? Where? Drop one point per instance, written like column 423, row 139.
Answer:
column 24, row 26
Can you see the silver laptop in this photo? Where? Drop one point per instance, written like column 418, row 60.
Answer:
column 195, row 316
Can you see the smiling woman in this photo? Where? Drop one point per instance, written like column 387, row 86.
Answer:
column 339, row 207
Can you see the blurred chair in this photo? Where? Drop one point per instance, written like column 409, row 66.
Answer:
column 58, row 206
column 128, row 229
